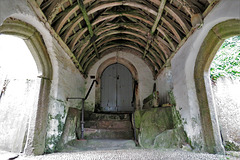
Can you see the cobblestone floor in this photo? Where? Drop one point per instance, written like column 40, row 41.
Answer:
column 126, row 154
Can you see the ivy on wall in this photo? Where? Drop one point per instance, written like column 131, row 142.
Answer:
column 226, row 62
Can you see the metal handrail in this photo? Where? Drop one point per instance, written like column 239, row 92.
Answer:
column 83, row 110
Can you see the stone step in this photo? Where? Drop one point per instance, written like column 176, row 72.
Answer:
column 90, row 133
column 102, row 116
column 99, row 144
column 108, row 124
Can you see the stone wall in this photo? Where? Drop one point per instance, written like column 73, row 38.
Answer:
column 182, row 66
column 159, row 128
column 66, row 81
column 226, row 96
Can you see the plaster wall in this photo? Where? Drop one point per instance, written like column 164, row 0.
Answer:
column 66, row 80
column 183, row 71
column 164, row 85
column 145, row 77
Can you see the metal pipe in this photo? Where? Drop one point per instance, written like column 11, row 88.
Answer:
column 90, row 89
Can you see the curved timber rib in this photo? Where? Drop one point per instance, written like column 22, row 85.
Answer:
column 154, row 29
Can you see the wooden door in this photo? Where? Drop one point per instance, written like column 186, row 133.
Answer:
column 116, row 89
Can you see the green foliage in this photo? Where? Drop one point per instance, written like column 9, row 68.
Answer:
column 231, row 146
column 226, row 63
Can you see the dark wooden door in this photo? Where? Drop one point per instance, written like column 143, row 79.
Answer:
column 116, row 89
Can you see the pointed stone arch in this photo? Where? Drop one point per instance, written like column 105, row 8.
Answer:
column 37, row 128
column 216, row 36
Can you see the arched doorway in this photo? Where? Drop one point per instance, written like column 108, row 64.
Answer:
column 35, row 139
column 117, row 89
column 210, row 46
column 18, row 89
column 130, row 67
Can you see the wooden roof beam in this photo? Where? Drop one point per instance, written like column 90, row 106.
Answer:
column 114, row 45
column 159, row 46
column 158, row 57
column 177, row 15
column 193, row 11
column 159, row 15
column 112, row 32
column 85, row 16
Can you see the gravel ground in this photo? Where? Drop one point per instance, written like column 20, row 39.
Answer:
column 127, row 154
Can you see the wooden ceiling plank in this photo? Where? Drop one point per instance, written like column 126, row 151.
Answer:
column 45, row 4
column 135, row 40
column 170, row 42
column 189, row 7
column 53, row 9
column 84, row 48
column 161, row 44
column 172, row 26
column 79, row 34
column 89, row 26
column 159, row 15
column 175, row 13
column 64, row 18
column 116, row 47
column 100, row 19
column 98, row 31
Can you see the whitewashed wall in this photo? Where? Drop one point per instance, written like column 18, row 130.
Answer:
column 183, row 69
column 66, row 81
column 164, row 85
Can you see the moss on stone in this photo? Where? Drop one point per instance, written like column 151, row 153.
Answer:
column 171, row 98
column 52, row 140
column 137, row 117
column 161, row 127
column 173, row 138
column 177, row 121
column 89, row 106
column 231, row 146
column 153, row 122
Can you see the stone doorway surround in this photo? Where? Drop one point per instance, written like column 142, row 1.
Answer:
column 216, row 36
column 35, row 143
column 109, row 62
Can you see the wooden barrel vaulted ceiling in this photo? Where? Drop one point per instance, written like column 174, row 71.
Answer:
column 154, row 29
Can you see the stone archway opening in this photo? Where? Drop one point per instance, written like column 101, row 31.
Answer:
column 225, row 83
column 19, row 87
column 208, row 114
column 31, row 139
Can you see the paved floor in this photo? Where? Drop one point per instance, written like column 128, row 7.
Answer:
column 126, row 154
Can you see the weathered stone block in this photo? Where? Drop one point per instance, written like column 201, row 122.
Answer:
column 159, row 128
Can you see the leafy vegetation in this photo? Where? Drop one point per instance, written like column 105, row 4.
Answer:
column 226, row 62
column 231, row 146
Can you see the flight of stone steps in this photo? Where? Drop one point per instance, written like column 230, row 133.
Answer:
column 104, row 132
column 108, row 126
